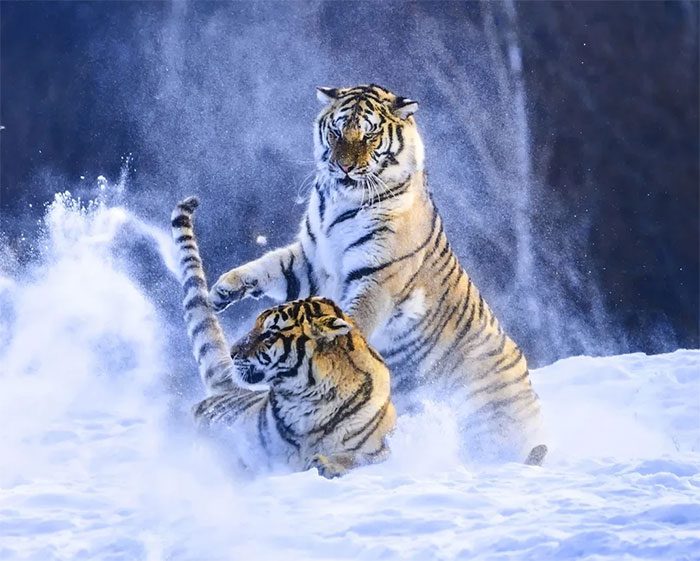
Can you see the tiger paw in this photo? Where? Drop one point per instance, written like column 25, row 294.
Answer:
column 327, row 467
column 232, row 287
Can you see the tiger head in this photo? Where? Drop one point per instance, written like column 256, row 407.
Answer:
column 279, row 349
column 366, row 138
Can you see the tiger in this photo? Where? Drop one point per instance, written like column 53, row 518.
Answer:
column 328, row 404
column 372, row 240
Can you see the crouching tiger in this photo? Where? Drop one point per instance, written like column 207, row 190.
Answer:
column 328, row 404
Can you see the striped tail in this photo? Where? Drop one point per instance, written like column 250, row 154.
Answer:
column 208, row 342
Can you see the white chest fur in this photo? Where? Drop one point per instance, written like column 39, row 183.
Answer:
column 343, row 241
column 348, row 238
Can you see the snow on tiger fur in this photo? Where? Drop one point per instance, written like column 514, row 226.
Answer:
column 373, row 241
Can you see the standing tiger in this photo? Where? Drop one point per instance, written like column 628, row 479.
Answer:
column 328, row 401
column 372, row 240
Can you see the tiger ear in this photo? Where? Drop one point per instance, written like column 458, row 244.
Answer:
column 404, row 107
column 329, row 327
column 326, row 95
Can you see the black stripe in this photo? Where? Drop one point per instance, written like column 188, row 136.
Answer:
column 415, row 329
column 510, row 364
column 320, row 127
column 181, row 221
column 381, row 412
column 375, row 355
column 506, row 357
column 189, row 259
column 399, row 136
column 206, row 323
column 194, row 282
column 301, row 354
column 336, row 309
column 293, row 284
column 497, row 386
column 378, row 451
column 310, row 380
column 226, row 406
column 395, row 192
column 213, row 371
column 197, row 301
column 495, row 407
column 368, row 236
column 354, row 403
column 492, row 321
column 311, row 235
column 347, row 215
column 419, row 269
column 285, row 432
column 205, row 348
column 313, row 289
column 287, row 345
column 183, row 238
column 481, row 307
column 440, row 323
column 498, row 350
column 478, row 328
column 229, row 406
column 262, row 428
column 405, row 292
column 358, row 274
column 461, row 332
column 321, row 205
column 349, row 407
column 425, row 343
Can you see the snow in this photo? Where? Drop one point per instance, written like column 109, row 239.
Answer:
column 98, row 460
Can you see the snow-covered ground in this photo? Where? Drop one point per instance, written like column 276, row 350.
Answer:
column 94, row 466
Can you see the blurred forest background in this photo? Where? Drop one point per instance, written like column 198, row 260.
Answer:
column 561, row 139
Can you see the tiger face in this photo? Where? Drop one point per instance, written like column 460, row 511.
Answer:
column 366, row 138
column 278, row 349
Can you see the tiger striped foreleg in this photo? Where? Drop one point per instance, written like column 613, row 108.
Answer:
column 282, row 274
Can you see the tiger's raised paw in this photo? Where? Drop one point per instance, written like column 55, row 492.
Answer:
column 327, row 467
column 231, row 288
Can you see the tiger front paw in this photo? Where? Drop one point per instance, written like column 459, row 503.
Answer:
column 232, row 287
column 327, row 467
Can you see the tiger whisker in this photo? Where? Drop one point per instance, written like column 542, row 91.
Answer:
column 305, row 187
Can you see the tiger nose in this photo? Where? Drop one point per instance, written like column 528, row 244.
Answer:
column 346, row 167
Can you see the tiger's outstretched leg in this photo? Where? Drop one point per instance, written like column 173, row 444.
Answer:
column 283, row 274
